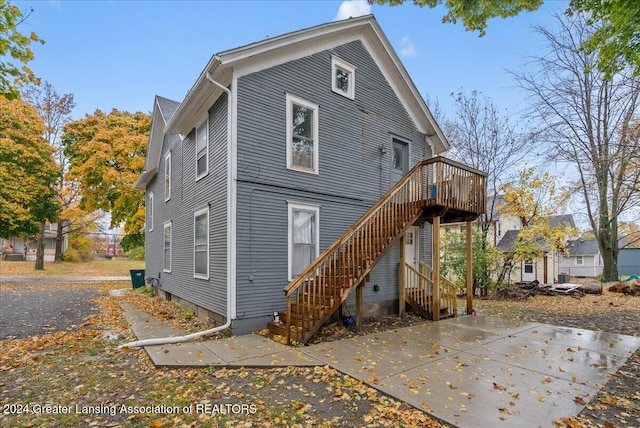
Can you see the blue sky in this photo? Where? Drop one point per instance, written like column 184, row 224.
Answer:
column 120, row 54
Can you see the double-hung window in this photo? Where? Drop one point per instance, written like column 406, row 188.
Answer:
column 201, row 243
column 304, row 234
column 202, row 150
column 167, row 247
column 343, row 78
column 302, row 135
column 579, row 260
column 150, row 211
column 167, row 176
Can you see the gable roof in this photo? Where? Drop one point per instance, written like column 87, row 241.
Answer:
column 557, row 220
column 163, row 110
column 508, row 241
column 583, row 247
column 277, row 50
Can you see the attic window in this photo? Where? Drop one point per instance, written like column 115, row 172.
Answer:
column 343, row 78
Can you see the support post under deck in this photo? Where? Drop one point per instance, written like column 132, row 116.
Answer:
column 359, row 311
column 436, row 268
column 469, row 269
column 403, row 279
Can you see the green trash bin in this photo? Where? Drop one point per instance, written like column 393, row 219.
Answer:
column 137, row 278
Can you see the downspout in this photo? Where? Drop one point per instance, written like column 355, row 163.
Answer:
column 188, row 337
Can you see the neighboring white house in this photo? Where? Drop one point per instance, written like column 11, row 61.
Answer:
column 544, row 269
column 27, row 245
column 583, row 260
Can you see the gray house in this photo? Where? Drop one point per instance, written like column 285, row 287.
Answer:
column 276, row 151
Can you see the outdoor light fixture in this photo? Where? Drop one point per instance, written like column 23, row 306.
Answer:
column 383, row 150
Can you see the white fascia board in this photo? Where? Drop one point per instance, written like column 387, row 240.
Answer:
column 201, row 94
column 154, row 147
column 286, row 40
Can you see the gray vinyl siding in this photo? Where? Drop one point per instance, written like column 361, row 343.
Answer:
column 629, row 261
column 188, row 196
column 353, row 173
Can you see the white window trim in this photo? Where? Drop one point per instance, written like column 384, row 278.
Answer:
column 292, row 99
column 579, row 260
column 167, row 176
column 150, row 211
column 306, row 207
column 206, row 171
column 338, row 63
column 168, row 225
column 196, row 214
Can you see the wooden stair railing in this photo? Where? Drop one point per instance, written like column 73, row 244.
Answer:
column 419, row 292
column 317, row 292
column 448, row 292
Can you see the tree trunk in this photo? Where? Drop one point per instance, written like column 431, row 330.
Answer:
column 609, row 253
column 40, row 248
column 59, row 242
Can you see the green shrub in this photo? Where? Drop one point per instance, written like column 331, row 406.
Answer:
column 136, row 253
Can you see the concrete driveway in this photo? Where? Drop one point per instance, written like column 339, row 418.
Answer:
column 468, row 371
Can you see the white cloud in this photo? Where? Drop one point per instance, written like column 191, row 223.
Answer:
column 407, row 49
column 352, row 8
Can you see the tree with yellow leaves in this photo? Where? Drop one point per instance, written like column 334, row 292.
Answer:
column 536, row 200
column 27, row 174
column 106, row 154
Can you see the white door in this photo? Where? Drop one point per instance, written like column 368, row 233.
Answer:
column 411, row 242
column 528, row 271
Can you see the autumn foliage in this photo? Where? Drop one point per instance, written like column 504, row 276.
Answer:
column 27, row 170
column 106, row 154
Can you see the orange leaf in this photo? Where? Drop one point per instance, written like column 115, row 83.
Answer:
column 579, row 400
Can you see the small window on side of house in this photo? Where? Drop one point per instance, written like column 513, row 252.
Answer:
column 167, row 176
column 302, row 135
column 343, row 78
column 167, row 246
column 201, row 243
column 579, row 260
column 202, row 150
column 150, row 212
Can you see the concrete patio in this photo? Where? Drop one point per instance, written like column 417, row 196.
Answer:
column 470, row 371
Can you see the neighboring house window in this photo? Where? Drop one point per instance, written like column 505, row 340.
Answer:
column 343, row 78
column 579, row 260
column 167, row 246
column 150, row 212
column 302, row 135
column 167, row 176
column 528, row 266
column 202, row 150
column 201, row 243
column 304, row 235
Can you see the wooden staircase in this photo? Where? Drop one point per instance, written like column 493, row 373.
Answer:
column 420, row 296
column 317, row 292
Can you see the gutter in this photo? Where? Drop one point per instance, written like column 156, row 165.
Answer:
column 188, row 337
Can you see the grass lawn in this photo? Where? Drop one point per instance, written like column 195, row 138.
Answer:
column 97, row 267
